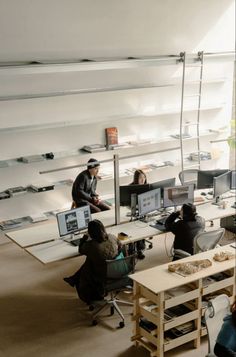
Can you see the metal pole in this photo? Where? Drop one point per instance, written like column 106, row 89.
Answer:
column 182, row 56
column 116, row 188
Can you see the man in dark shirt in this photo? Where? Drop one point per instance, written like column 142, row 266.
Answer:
column 185, row 225
column 84, row 188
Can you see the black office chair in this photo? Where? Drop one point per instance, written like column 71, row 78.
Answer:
column 117, row 280
column 188, row 176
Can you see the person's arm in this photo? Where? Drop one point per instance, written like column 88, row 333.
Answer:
column 83, row 247
column 81, row 189
column 170, row 223
column 93, row 188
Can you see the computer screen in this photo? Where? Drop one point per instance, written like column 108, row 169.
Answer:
column 233, row 180
column 149, row 201
column 127, row 191
column 164, row 183
column 74, row 220
column 221, row 184
column 205, row 177
column 178, row 195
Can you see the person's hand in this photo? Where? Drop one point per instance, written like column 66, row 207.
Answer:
column 85, row 237
column 96, row 200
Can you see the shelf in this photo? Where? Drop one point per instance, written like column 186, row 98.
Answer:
column 164, row 112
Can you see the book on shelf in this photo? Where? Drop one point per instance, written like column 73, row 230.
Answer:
column 41, row 186
column 13, row 223
column 147, row 325
column 184, row 136
column 4, row 195
column 13, row 191
column 32, row 158
column 111, row 136
column 93, row 148
column 204, row 155
column 38, row 217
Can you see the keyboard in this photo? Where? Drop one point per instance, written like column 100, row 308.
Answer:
column 160, row 224
column 75, row 242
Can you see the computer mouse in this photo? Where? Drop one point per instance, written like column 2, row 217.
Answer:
column 203, row 193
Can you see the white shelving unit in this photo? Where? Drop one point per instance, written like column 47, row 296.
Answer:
column 132, row 94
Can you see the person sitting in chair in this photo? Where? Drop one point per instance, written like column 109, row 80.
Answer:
column 98, row 246
column 84, row 188
column 226, row 341
column 139, row 178
column 185, row 225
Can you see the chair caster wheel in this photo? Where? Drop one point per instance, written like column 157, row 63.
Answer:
column 121, row 324
column 112, row 310
column 91, row 307
column 150, row 246
column 94, row 322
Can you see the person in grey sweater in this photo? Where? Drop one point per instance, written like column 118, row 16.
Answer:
column 98, row 246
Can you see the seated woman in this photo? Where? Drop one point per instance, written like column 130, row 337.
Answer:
column 185, row 225
column 98, row 246
column 139, row 178
column 226, row 341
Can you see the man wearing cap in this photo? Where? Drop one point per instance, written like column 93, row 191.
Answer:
column 84, row 188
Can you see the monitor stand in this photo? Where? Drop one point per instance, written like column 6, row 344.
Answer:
column 217, row 201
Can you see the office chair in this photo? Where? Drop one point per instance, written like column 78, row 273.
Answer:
column 117, row 280
column 188, row 176
column 216, row 310
column 202, row 242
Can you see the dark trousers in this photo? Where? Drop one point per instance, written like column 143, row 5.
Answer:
column 102, row 206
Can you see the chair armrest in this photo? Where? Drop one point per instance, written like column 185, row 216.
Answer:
column 179, row 253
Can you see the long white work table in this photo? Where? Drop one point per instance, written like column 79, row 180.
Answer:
column 136, row 230
column 59, row 249
column 48, row 231
column 54, row 249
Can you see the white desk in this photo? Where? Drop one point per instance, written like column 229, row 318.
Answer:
column 53, row 251
column 48, row 231
column 58, row 249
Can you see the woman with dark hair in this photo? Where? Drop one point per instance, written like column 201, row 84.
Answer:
column 139, row 178
column 185, row 225
column 226, row 341
column 98, row 246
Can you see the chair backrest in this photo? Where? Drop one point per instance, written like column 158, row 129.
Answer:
column 120, row 268
column 207, row 240
column 188, row 176
column 216, row 310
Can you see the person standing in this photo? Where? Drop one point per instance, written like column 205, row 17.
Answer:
column 84, row 188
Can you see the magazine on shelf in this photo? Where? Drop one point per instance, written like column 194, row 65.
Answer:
column 93, row 148
column 111, row 136
column 32, row 158
column 14, row 223
column 13, row 191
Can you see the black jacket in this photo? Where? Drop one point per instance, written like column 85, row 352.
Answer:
column 184, row 231
column 83, row 190
column 91, row 279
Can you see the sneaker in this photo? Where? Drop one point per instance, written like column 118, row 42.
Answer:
column 69, row 281
column 140, row 255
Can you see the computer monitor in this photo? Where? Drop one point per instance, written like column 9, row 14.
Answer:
column 164, row 183
column 149, row 201
column 178, row 195
column 74, row 220
column 233, row 180
column 205, row 177
column 221, row 184
column 127, row 191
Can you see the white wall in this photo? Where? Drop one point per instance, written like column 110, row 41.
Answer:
column 32, row 30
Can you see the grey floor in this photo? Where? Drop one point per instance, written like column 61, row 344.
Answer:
column 40, row 315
